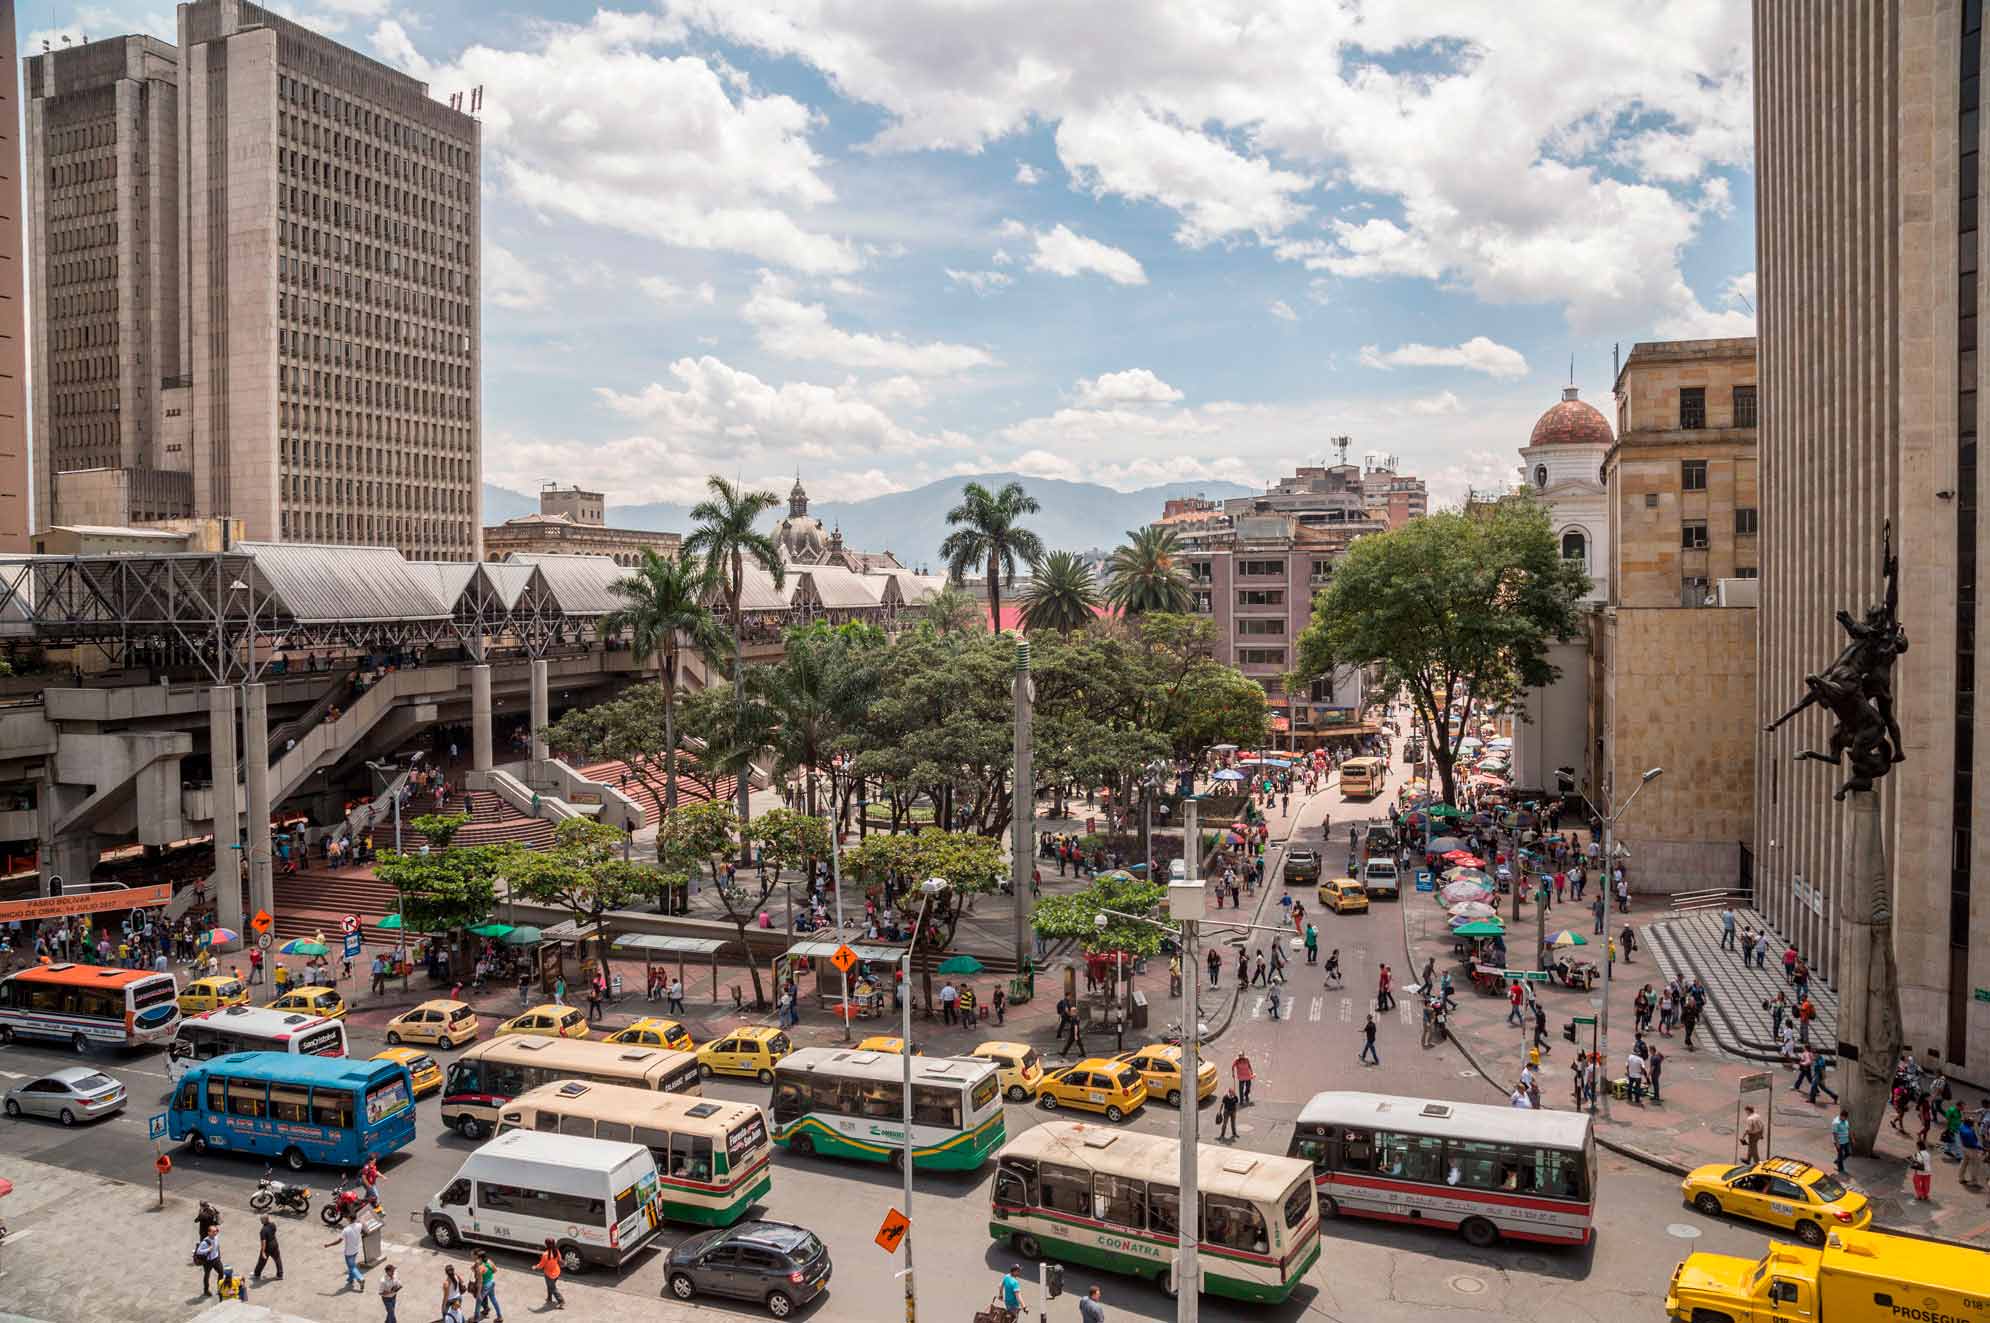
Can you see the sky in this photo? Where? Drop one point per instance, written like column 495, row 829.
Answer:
column 880, row 242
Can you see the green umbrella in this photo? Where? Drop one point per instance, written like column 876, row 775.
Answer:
column 391, row 921
column 525, row 935
column 1480, row 928
column 492, row 929
column 960, row 964
column 301, row 946
column 1568, row 937
column 1446, row 811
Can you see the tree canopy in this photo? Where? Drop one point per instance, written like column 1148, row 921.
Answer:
column 989, row 535
column 1076, row 914
column 1145, row 574
column 1062, row 595
column 664, row 610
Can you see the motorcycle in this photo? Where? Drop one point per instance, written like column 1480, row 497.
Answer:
column 346, row 1201
column 280, row 1195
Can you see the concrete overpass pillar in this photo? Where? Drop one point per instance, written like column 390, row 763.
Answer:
column 480, row 718
column 541, row 713
column 255, row 768
column 224, row 884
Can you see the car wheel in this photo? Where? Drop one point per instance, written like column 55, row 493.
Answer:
column 1016, row 1093
column 198, row 1142
column 1027, row 1246
column 803, row 1145
column 704, row 1071
column 393, row 1038
column 1174, row 1097
column 765, row 1076
column 1047, row 1101
column 444, row 1043
column 470, row 1128
column 779, row 1305
column 1114, row 1115
column 1810, row 1233
column 682, row 1286
column 293, row 1158
column 13, row 1108
column 443, row 1232
column 1707, row 1204
column 68, row 1117
column 571, row 1260
column 1479, row 1233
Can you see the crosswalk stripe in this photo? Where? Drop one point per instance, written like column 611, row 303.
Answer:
column 1313, row 1014
column 1346, row 1009
column 1257, row 1008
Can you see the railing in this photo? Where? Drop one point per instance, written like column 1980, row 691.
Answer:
column 1715, row 898
column 378, row 810
column 528, row 801
column 295, row 729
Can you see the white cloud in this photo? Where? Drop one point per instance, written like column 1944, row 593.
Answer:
column 1320, row 290
column 981, row 282
column 1282, row 310
column 1064, row 252
column 1133, row 386
column 1444, row 402
column 670, row 292
column 793, row 329
column 1027, row 175
column 1477, row 354
column 509, row 282
column 1735, row 316
column 679, row 154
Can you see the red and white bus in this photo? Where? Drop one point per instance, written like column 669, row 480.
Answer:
column 232, row 1029
column 86, row 1004
column 1487, row 1172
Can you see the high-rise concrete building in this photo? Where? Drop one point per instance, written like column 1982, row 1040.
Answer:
column 16, row 504
column 1868, row 249
column 257, row 255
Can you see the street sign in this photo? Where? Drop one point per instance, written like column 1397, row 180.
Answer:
column 155, row 1126
column 352, row 942
column 1585, row 1019
column 350, row 923
column 59, row 906
column 893, row 1231
column 1524, row 975
column 265, row 941
column 262, row 921
column 843, row 959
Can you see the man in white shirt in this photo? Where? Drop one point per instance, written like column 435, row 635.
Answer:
column 348, row 1242
column 1634, row 1071
column 1520, row 1098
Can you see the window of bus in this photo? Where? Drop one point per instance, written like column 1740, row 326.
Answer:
column 572, row 1125
column 691, row 1157
column 1298, row 1203
column 1119, row 1200
column 1313, row 1148
column 883, row 1099
column 1015, row 1183
column 1234, row 1224
column 1164, row 1209
column 332, row 1108
column 1564, row 1173
column 619, row 1131
column 936, row 1105
column 743, row 1138
column 1410, row 1157
column 1065, row 1189
column 217, row 1094
column 791, row 1099
column 984, row 1093
column 390, row 1097
column 837, row 1097
column 1357, row 1151
column 189, row 1098
column 1483, row 1165
column 288, row 1102
column 247, row 1097
column 549, row 1122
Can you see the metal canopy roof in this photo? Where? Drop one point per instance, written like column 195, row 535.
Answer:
column 507, row 581
column 758, row 593
column 662, row 944
column 348, row 585
column 822, row 949
column 582, row 585
column 838, row 589
column 447, row 577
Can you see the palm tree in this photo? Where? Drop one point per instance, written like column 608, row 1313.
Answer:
column 663, row 610
column 727, row 535
column 1146, row 574
column 988, row 534
column 952, row 610
column 1062, row 594
column 813, row 698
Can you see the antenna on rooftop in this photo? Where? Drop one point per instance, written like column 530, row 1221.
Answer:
column 1340, row 445
column 1571, row 369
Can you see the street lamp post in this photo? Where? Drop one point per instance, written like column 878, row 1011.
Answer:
column 1609, row 854
column 934, row 888
column 836, row 881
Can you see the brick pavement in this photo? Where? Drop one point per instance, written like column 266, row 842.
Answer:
column 1688, row 944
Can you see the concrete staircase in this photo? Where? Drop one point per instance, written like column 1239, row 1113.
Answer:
column 314, row 901
column 651, row 801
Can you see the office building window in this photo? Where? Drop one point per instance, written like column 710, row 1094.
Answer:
column 1747, row 572
column 1651, row 500
column 1746, row 522
column 1261, row 656
column 1692, row 407
column 1693, row 535
column 1261, row 569
column 1693, row 590
column 1202, row 604
column 1260, row 597
column 1744, row 406
column 1267, row 625
column 1198, row 570
column 1693, row 475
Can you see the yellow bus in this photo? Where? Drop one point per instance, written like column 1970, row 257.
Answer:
column 491, row 1074
column 1362, row 778
column 713, row 1159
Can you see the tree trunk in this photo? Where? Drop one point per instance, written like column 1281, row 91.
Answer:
column 752, row 966
column 670, row 730
column 745, row 786
column 994, row 594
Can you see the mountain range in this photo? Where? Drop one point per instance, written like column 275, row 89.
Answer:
column 1076, row 516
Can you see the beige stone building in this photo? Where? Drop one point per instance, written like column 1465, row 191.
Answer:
column 256, row 295
column 1868, row 248
column 16, row 502
column 572, row 521
column 1672, row 653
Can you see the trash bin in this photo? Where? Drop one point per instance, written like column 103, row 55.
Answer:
column 1139, row 1009
column 371, row 1241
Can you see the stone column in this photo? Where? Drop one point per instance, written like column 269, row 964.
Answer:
column 1869, row 1032
column 255, row 780
column 224, row 884
column 480, row 718
column 541, row 715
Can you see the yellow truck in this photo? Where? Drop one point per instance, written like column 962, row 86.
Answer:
column 1854, row 1277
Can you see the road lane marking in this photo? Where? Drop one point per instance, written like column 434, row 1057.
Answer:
column 1318, row 1004
column 1257, row 1008
column 1346, row 1009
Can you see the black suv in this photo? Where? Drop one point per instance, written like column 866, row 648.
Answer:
column 781, row 1265
column 1302, row 866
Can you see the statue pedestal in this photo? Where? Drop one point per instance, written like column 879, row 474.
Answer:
column 1869, row 1032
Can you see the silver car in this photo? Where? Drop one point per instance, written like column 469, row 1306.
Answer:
column 69, row 1095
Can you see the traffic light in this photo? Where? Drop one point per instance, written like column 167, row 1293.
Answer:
column 1568, row 1031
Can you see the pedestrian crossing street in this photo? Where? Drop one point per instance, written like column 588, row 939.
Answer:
column 1314, row 1009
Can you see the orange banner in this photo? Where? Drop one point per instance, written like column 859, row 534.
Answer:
column 87, row 902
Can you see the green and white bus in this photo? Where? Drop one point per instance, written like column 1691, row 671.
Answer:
column 1110, row 1198
column 852, row 1105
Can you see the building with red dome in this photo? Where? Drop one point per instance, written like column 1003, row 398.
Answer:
column 1563, row 466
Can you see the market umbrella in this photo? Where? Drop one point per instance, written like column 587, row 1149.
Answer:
column 6, row 1187
column 1228, row 774
column 302, row 946
column 960, row 964
column 1472, row 909
column 1503, row 742
column 1480, row 928
column 1444, row 812
column 1568, row 937
column 1463, row 860
column 1456, row 893
column 221, row 937
column 1446, row 844
column 491, row 929
column 1469, row 877
column 523, row 935
column 392, row 921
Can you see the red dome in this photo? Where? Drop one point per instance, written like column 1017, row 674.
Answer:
column 1571, row 423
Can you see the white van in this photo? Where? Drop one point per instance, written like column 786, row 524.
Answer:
column 1379, row 879
column 596, row 1199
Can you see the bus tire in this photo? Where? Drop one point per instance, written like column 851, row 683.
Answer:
column 393, row 1038
column 1113, row 1113
column 1017, row 1093
column 1479, row 1233
column 802, row 1145
column 898, row 1159
column 1165, row 1279
column 765, row 1076
column 1810, row 1233
column 80, row 1043
column 779, row 1305
column 470, row 1127
column 6, row 1035
column 293, row 1158
column 571, row 1259
column 1174, row 1097
column 1027, row 1246
column 1329, row 1207
column 443, row 1232
column 197, row 1142
column 1707, row 1204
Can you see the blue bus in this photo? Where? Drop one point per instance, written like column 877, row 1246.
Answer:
column 330, row 1110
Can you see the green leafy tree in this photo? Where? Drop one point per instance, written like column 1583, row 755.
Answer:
column 1062, row 595
column 1454, row 604
column 1190, row 697
column 815, row 695
column 727, row 534
column 952, row 610
column 1075, row 914
column 972, row 865
column 712, row 833
column 939, row 727
column 444, row 891
column 989, row 535
column 631, row 728
column 1146, row 573
column 440, row 828
column 583, row 873
column 663, row 609
column 730, row 735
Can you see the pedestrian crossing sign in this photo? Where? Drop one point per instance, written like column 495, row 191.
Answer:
column 843, row 959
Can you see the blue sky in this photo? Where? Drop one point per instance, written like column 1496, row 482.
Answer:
column 883, row 241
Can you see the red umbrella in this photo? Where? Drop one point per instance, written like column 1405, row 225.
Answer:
column 1465, row 859
column 6, row 1187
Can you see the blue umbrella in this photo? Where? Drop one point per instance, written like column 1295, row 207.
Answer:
column 1228, row 774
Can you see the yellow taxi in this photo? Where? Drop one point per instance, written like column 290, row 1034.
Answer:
column 549, row 1021
column 443, row 1022
column 211, row 994
column 1783, row 1192
column 312, row 1001
column 891, row 1043
column 653, row 1032
column 751, row 1051
column 1343, row 894
column 1094, row 1085
column 427, row 1076
column 1021, row 1069
column 1160, row 1067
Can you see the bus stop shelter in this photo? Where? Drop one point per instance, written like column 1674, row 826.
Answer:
column 653, row 945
